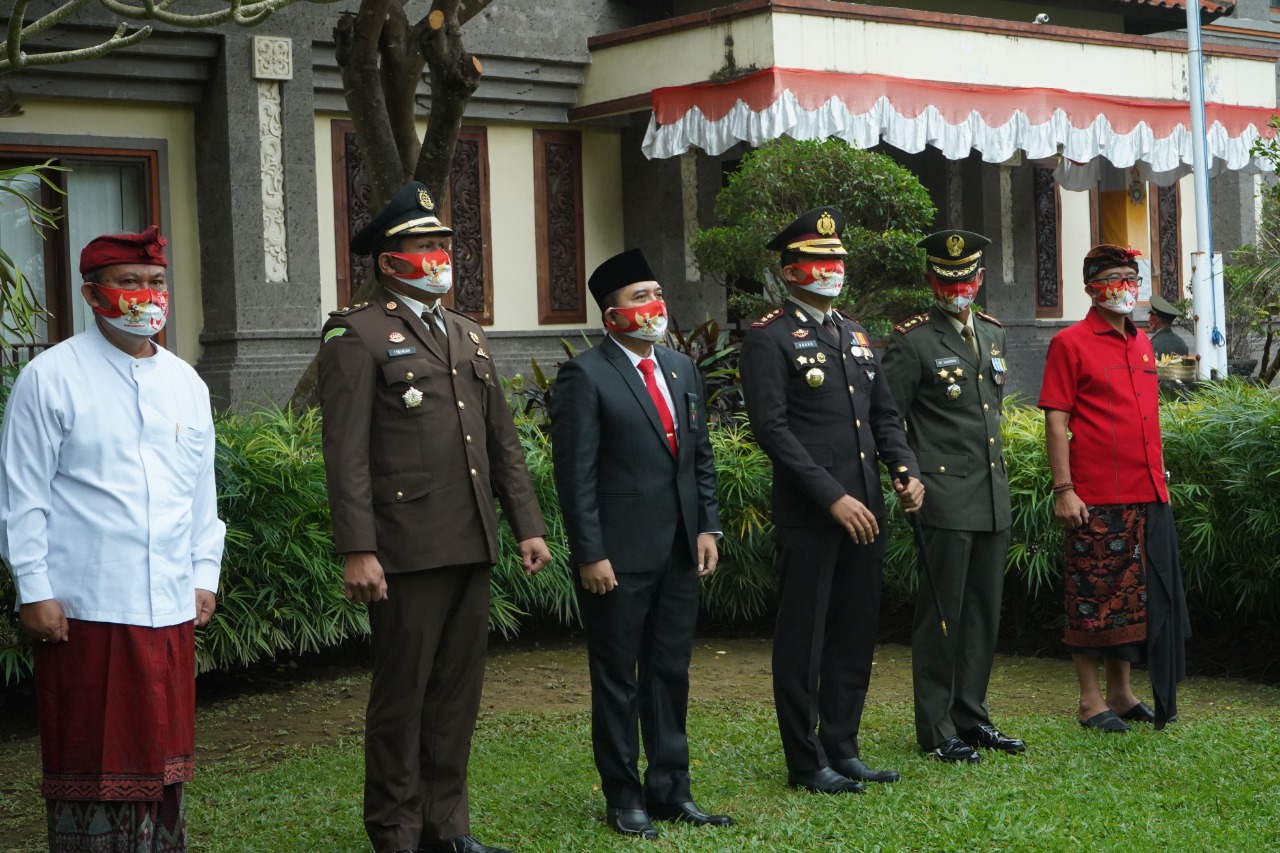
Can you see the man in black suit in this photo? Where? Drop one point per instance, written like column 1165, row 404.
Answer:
column 637, row 488
column 821, row 409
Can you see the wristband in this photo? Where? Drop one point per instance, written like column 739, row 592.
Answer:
column 1060, row 488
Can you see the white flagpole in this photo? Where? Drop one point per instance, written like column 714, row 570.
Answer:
column 1207, row 299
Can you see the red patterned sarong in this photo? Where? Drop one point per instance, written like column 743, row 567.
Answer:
column 116, row 707
column 1106, row 584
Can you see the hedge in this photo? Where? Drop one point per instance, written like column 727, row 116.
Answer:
column 282, row 593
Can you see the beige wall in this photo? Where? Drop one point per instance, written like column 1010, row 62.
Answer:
column 175, row 125
column 918, row 52
column 511, row 205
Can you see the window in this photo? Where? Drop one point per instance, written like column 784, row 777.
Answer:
column 107, row 191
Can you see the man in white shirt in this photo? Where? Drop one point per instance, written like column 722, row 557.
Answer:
column 109, row 526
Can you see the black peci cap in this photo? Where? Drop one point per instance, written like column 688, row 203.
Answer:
column 622, row 269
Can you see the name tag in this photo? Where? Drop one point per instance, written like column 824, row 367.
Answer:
column 950, row 361
column 805, row 344
column 392, row 353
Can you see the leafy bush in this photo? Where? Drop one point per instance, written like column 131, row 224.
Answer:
column 282, row 590
column 886, row 210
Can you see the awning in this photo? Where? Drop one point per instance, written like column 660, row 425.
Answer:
column 1074, row 128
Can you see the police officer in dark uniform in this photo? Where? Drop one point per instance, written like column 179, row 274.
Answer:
column 821, row 409
column 947, row 370
column 418, row 441
column 1164, row 340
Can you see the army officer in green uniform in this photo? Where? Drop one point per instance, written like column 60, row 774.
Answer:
column 947, row 371
column 1164, row 340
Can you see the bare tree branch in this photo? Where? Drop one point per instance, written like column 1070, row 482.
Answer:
column 245, row 13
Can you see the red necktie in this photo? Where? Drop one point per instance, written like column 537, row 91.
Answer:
column 664, row 414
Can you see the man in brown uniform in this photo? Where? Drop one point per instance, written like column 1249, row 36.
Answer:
column 418, row 440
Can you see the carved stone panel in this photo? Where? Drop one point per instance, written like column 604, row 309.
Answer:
column 1048, row 263
column 469, row 216
column 272, row 58
column 356, row 186
column 1170, row 255
column 558, row 191
column 271, row 165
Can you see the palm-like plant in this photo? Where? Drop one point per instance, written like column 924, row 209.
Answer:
column 19, row 308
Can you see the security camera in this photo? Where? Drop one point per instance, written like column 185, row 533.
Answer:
column 1042, row 18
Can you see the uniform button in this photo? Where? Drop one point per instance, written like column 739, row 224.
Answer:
column 979, row 377
column 486, row 376
column 399, row 496
column 473, row 473
column 455, row 371
column 850, row 389
column 862, row 456
column 985, row 407
column 991, row 441
column 461, row 405
column 409, row 375
column 857, row 422
column 845, row 357
column 993, row 465
column 468, row 439
column 942, row 469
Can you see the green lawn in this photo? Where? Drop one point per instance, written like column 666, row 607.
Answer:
column 1207, row 783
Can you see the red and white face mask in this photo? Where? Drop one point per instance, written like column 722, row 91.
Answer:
column 432, row 271
column 648, row 322
column 139, row 312
column 825, row 278
column 954, row 298
column 1120, row 297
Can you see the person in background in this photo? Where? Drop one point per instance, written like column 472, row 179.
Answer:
column 1164, row 340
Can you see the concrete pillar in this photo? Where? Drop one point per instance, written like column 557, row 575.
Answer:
column 255, row 172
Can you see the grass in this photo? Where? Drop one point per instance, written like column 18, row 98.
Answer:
column 1206, row 783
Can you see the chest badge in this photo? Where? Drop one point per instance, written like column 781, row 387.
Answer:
column 395, row 338
column 822, row 358
column 412, row 398
column 953, row 391
column 994, row 351
column 475, row 339
column 800, row 334
column 815, row 377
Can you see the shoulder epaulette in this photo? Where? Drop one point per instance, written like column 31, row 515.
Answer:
column 462, row 314
column 768, row 318
column 910, row 323
column 350, row 309
column 989, row 318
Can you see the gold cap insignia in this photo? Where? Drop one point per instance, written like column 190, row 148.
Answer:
column 826, row 224
column 424, row 200
column 955, row 245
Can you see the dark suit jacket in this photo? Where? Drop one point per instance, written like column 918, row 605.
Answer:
column 955, row 434
column 822, row 413
column 1168, row 342
column 620, row 487
column 416, row 483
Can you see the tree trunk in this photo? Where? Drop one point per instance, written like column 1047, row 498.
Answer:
column 381, row 58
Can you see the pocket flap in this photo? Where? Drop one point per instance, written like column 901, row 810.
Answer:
column 947, row 464
column 400, row 488
column 404, row 370
column 484, row 371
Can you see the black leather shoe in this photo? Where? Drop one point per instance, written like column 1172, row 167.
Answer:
column 687, row 812
column 630, row 822
column 825, row 781
column 956, row 751
column 1106, row 721
column 461, row 844
column 987, row 736
column 855, row 769
column 1140, row 713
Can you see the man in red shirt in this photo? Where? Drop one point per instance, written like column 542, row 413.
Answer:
column 1123, row 587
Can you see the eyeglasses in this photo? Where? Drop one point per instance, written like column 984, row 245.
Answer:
column 1116, row 278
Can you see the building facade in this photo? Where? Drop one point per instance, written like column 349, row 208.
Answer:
column 579, row 143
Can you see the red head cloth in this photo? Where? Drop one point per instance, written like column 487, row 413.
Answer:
column 111, row 249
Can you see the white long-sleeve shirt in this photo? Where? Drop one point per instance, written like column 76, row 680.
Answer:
column 107, row 496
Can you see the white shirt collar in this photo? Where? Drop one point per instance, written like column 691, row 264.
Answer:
column 818, row 316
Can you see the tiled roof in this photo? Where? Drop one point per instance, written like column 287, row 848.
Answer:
column 1213, row 7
